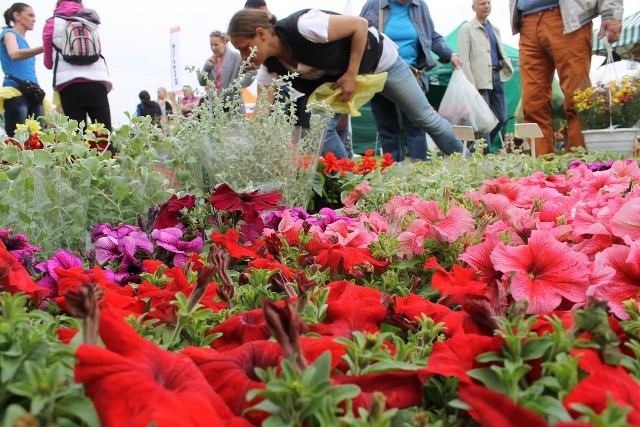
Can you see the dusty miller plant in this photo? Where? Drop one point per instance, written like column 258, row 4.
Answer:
column 219, row 143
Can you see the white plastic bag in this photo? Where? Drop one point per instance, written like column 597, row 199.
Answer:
column 463, row 105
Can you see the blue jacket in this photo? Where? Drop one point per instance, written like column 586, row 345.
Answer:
column 430, row 39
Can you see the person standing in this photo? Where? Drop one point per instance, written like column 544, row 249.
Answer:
column 147, row 107
column 83, row 89
column 557, row 35
column 328, row 47
column 408, row 23
column 485, row 63
column 222, row 68
column 18, row 60
column 188, row 101
column 167, row 106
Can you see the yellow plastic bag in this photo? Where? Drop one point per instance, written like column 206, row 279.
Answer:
column 367, row 85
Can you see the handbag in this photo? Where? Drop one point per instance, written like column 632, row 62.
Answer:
column 31, row 91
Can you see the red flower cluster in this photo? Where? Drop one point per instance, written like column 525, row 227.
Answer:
column 366, row 164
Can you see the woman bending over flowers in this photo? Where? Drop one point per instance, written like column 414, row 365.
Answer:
column 327, row 47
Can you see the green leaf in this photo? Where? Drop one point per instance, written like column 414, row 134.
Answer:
column 550, row 406
column 13, row 172
column 490, row 357
column 343, row 392
column 489, row 378
column 42, row 157
column 535, row 348
column 91, row 164
column 10, row 154
column 78, row 407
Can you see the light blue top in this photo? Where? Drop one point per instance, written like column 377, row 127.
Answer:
column 24, row 69
column 400, row 29
column 533, row 6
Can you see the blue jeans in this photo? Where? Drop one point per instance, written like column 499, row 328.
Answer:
column 497, row 101
column 332, row 140
column 402, row 89
column 17, row 110
column 388, row 123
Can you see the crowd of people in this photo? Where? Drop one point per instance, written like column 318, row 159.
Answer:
column 394, row 37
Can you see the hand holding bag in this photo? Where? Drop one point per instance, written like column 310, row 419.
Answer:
column 31, row 91
column 463, row 105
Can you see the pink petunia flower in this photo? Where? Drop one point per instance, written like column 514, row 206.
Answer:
column 616, row 276
column 626, row 222
column 544, row 271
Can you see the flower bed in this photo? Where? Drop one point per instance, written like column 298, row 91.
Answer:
column 439, row 294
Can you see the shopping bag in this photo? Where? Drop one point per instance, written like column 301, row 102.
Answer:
column 463, row 105
column 367, row 85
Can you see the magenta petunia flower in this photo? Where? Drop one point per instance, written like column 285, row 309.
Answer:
column 18, row 244
column 171, row 240
column 106, row 229
column 112, row 246
column 61, row 259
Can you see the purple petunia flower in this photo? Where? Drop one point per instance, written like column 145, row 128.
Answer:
column 105, row 229
column 125, row 240
column 18, row 245
column 61, row 259
column 171, row 240
column 129, row 270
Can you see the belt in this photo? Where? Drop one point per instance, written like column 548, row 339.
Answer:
column 549, row 9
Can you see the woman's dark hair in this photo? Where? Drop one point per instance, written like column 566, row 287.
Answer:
column 144, row 96
column 255, row 4
column 245, row 22
column 16, row 7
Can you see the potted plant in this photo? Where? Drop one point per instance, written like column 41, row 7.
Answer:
column 608, row 112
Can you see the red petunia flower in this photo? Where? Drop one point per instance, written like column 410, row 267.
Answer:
column 457, row 283
column 231, row 374
column 402, row 389
column 457, row 355
column 604, row 382
column 250, row 205
column 351, row 308
column 170, row 211
column 490, row 408
column 121, row 297
column 65, row 335
column 241, row 328
column 133, row 382
column 160, row 300
column 343, row 259
column 15, row 278
column 230, row 241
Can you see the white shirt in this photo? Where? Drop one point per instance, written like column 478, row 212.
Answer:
column 314, row 26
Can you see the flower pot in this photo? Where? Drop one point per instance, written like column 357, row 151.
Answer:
column 619, row 140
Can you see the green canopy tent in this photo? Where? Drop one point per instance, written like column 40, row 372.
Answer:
column 629, row 42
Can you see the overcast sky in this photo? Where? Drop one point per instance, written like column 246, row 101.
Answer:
column 135, row 36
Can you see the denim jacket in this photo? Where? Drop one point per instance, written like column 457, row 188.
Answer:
column 575, row 13
column 430, row 39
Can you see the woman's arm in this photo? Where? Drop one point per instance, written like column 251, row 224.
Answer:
column 15, row 53
column 356, row 28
